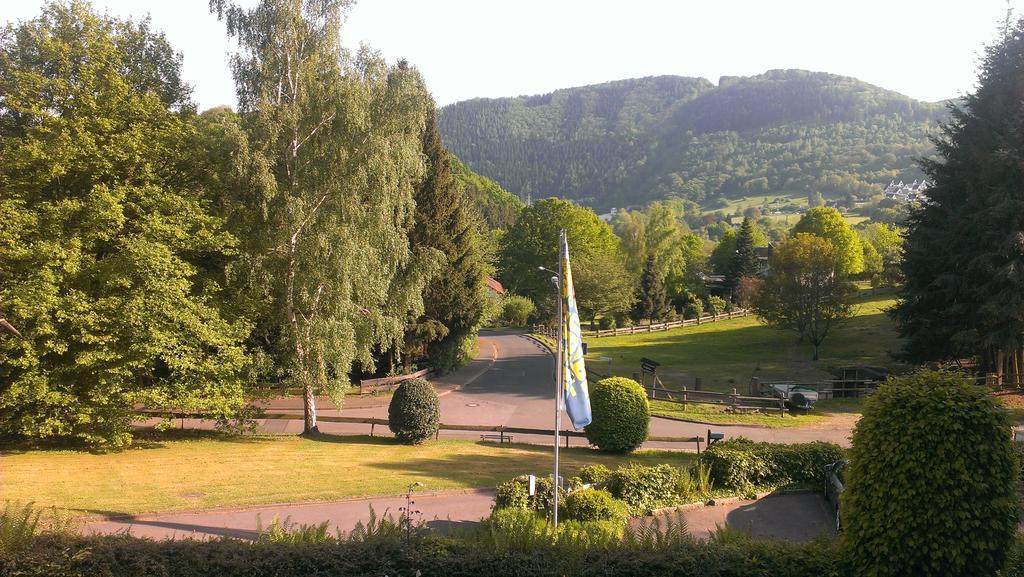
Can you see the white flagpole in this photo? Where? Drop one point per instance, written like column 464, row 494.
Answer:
column 559, row 368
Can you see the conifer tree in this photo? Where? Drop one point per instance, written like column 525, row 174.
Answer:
column 454, row 299
column 743, row 262
column 652, row 301
column 964, row 259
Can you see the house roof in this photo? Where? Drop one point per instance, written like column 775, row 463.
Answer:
column 495, row 286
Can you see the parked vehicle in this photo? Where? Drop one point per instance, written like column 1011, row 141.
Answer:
column 834, row 474
column 796, row 396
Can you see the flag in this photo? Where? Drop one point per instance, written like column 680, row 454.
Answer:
column 574, row 374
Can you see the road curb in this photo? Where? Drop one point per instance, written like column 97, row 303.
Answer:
column 728, row 501
column 539, row 342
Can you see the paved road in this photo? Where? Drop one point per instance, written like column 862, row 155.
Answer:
column 511, row 383
column 799, row 517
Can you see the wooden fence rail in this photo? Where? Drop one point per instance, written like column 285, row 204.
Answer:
column 373, row 422
column 389, row 383
column 654, row 327
column 731, row 400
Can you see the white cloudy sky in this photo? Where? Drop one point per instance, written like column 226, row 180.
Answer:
column 927, row 49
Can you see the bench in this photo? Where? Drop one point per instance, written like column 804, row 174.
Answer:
column 501, row 438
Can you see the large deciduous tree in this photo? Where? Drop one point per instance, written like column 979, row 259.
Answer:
column 533, row 242
column 805, row 291
column 110, row 262
column 341, row 138
column 827, row 223
column 964, row 259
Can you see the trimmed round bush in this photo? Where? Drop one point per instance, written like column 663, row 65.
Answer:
column 930, row 489
column 414, row 412
column 594, row 505
column 621, row 414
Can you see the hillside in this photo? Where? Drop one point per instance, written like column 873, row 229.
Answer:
column 627, row 142
column 496, row 207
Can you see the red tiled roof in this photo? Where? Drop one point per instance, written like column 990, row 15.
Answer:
column 495, row 286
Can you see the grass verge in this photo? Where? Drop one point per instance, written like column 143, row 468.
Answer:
column 192, row 471
column 726, row 354
column 712, row 414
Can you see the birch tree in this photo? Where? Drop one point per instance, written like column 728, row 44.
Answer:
column 341, row 137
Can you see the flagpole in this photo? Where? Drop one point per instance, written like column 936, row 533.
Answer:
column 559, row 368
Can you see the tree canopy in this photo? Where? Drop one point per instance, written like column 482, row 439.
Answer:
column 827, row 223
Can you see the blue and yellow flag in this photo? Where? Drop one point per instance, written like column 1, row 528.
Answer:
column 574, row 374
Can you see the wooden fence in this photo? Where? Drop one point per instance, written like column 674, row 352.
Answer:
column 388, row 383
column 653, row 327
column 373, row 422
column 732, row 401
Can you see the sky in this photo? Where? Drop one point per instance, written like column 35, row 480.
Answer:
column 465, row 49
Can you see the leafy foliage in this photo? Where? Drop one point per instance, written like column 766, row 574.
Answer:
column 645, row 488
column 18, row 525
column 916, row 502
column 621, row 415
column 806, row 291
column 653, row 303
column 515, row 494
column 516, row 310
column 593, row 505
column 629, row 142
column 829, row 224
column 743, row 260
column 112, row 263
column 414, row 412
column 533, row 242
column 743, row 465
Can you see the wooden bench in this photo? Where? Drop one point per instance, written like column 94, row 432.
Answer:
column 501, row 438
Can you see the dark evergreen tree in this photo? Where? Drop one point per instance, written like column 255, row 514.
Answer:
column 964, row 261
column 652, row 300
column 454, row 299
column 743, row 262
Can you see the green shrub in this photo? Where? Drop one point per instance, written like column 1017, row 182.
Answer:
column 644, row 488
column 593, row 505
column 605, row 323
column 742, row 465
column 414, row 412
column 516, row 310
column 515, row 494
column 931, row 485
column 594, row 474
column 288, row 532
column 18, row 525
column 715, row 305
column 621, row 415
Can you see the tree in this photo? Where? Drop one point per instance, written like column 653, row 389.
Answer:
column 829, row 224
column 964, row 262
column 455, row 297
column 917, row 503
column 806, row 291
column 652, row 302
column 341, row 138
column 533, row 242
column 111, row 264
column 603, row 286
column 721, row 255
column 743, row 261
column 815, row 200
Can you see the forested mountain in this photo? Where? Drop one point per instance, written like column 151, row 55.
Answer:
column 496, row 207
column 631, row 141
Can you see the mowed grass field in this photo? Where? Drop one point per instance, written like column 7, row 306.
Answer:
column 726, row 354
column 199, row 471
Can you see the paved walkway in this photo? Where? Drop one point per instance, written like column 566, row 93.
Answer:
column 511, row 383
column 791, row 517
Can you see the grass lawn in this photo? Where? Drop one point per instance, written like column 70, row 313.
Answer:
column 198, row 471
column 726, row 354
column 714, row 414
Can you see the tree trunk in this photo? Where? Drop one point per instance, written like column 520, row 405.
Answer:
column 309, row 409
column 815, row 352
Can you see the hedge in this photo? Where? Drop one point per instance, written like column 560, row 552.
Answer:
column 645, row 488
column 593, row 505
column 932, row 484
column 119, row 556
column 741, row 464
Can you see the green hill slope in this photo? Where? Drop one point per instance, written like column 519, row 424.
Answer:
column 496, row 207
column 628, row 142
